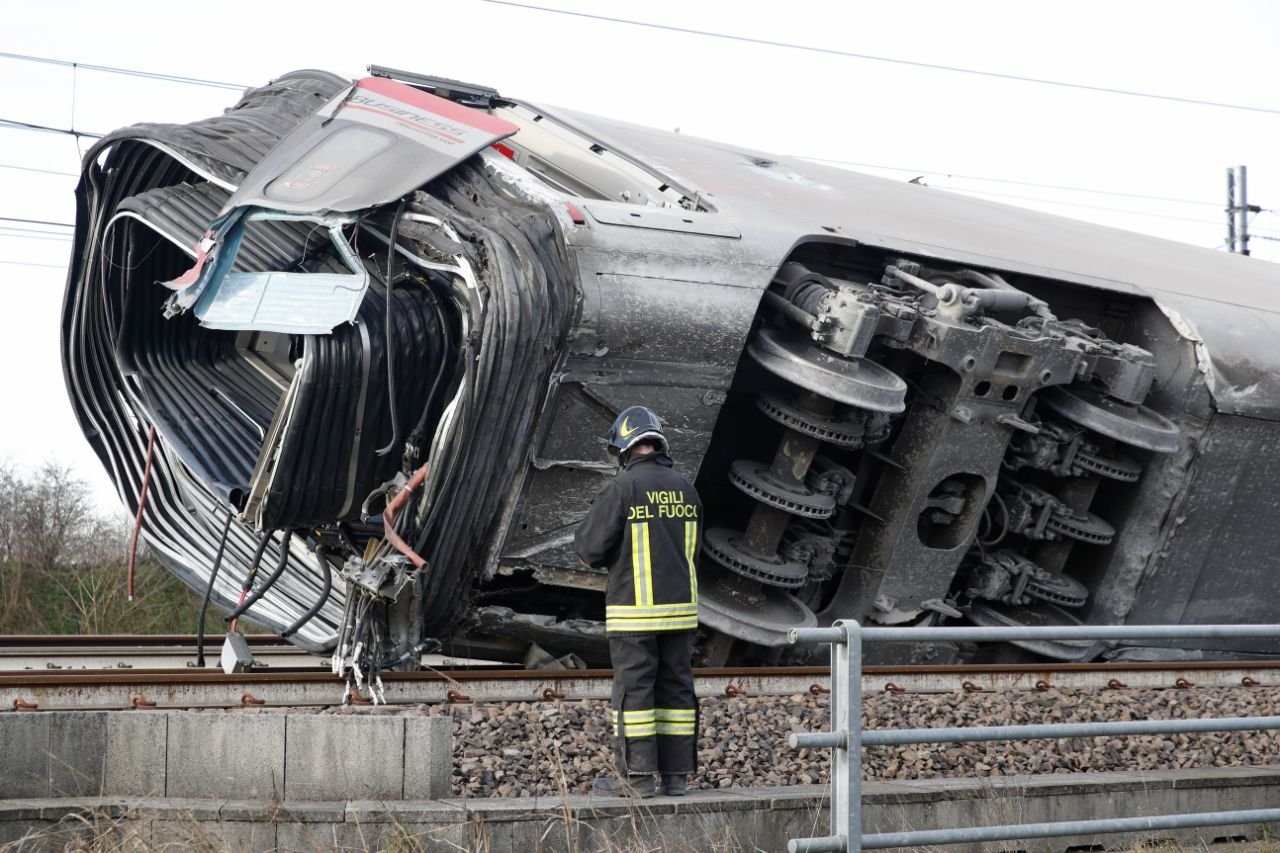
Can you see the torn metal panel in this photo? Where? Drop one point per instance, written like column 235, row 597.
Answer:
column 293, row 303
column 367, row 146
column 222, row 149
column 1235, row 349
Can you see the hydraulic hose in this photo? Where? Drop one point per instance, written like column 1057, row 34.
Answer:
column 271, row 580
column 208, row 592
column 322, row 554
column 253, row 570
column 391, row 350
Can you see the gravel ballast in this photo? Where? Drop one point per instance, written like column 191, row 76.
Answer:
column 544, row 748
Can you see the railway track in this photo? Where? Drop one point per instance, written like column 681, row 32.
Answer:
column 138, row 651
column 57, row 675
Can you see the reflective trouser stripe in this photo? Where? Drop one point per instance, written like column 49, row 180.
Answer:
column 636, row 723
column 676, row 721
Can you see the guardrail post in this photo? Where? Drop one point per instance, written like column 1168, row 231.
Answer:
column 846, row 718
column 844, row 739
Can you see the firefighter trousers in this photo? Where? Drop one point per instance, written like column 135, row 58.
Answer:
column 655, row 711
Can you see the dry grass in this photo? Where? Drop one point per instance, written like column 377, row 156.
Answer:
column 640, row 831
column 139, row 831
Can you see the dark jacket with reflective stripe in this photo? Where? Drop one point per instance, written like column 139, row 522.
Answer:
column 645, row 526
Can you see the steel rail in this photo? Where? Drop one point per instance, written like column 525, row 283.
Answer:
column 127, row 651
column 105, row 641
column 282, row 687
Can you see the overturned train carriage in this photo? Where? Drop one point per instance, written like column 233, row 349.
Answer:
column 378, row 331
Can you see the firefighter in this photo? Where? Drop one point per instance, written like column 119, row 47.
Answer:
column 644, row 526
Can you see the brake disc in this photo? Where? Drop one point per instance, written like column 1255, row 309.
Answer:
column 840, row 430
column 1083, row 527
column 1063, row 590
column 758, row 481
column 723, row 546
column 1134, row 425
column 1117, row 467
column 852, row 381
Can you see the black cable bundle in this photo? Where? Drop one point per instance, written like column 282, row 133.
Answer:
column 517, row 253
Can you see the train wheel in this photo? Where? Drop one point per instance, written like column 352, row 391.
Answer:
column 746, row 596
column 1128, row 424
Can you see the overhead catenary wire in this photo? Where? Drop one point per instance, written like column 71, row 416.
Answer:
column 14, row 124
column 26, row 221
column 1042, row 200
column 38, row 171
column 955, row 69
column 1063, row 187
column 129, row 72
column 32, row 234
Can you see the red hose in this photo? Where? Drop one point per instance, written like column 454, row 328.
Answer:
column 142, row 502
column 244, row 593
column 389, row 516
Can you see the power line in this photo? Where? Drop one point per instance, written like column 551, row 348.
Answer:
column 31, row 234
column 41, row 171
column 36, row 222
column 62, row 235
column 1017, row 183
column 129, row 72
column 1079, row 204
column 13, row 124
column 895, row 61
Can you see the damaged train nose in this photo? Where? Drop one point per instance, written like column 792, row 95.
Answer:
column 381, row 328
column 337, row 327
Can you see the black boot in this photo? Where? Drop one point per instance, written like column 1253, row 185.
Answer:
column 675, row 784
column 637, row 785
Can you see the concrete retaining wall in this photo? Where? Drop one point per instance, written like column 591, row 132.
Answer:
column 737, row 819
column 296, row 757
column 298, row 781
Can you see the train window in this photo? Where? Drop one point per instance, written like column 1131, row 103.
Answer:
column 576, row 165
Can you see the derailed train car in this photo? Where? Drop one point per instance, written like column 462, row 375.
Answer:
column 378, row 331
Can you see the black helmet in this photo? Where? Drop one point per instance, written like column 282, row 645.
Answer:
column 633, row 425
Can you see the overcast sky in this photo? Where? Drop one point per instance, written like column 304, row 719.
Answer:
column 1145, row 164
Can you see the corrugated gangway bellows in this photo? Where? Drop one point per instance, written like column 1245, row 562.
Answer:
column 381, row 328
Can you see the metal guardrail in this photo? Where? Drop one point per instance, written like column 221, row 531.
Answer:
column 847, row 738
